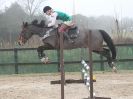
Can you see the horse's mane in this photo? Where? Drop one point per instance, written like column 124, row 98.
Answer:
column 35, row 23
column 41, row 24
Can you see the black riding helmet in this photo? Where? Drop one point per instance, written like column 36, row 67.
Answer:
column 46, row 8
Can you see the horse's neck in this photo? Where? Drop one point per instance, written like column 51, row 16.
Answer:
column 40, row 32
column 52, row 39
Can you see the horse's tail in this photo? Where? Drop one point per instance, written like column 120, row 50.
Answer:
column 109, row 42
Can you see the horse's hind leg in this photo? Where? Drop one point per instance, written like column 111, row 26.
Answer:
column 106, row 53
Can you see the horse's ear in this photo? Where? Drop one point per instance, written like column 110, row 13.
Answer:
column 34, row 22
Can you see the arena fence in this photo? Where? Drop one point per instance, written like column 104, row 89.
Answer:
column 25, row 60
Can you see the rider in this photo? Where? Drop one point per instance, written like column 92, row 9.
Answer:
column 52, row 16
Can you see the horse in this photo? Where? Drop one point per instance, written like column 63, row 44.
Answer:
column 81, row 40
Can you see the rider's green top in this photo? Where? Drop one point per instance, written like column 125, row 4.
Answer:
column 63, row 16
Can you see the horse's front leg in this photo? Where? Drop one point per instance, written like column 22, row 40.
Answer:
column 42, row 55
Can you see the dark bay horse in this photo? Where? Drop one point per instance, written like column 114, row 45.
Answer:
column 81, row 41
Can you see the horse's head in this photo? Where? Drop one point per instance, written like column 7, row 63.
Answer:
column 25, row 34
column 28, row 30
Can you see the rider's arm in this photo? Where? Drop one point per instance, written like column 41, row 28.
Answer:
column 53, row 19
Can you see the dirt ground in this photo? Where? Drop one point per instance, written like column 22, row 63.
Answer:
column 37, row 86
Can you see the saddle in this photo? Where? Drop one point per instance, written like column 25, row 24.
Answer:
column 72, row 32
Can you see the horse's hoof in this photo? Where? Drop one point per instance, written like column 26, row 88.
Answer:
column 45, row 60
column 114, row 69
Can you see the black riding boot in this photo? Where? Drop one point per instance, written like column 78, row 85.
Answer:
column 68, row 38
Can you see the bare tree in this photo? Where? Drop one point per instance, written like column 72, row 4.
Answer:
column 31, row 6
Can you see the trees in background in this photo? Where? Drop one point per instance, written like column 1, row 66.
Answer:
column 11, row 20
column 31, row 7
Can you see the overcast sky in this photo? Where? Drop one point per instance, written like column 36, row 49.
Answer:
column 121, row 8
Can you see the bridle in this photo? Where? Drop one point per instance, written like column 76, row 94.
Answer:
column 22, row 38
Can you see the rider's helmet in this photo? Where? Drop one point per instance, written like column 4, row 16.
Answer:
column 46, row 8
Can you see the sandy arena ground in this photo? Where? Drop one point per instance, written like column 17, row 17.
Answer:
column 37, row 86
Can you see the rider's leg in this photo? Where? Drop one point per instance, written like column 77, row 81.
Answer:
column 63, row 29
column 68, row 38
column 47, row 33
